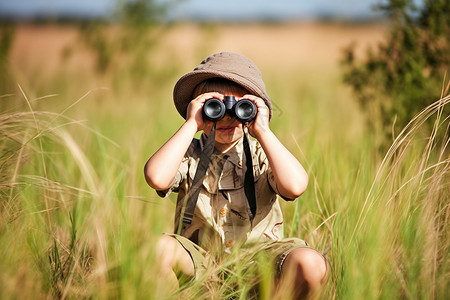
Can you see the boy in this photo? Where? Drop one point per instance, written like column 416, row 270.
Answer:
column 226, row 214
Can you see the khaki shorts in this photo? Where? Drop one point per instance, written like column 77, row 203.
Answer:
column 274, row 252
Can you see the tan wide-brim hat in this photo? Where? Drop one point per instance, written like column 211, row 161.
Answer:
column 228, row 65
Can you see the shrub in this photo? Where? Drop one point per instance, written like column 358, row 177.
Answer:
column 406, row 71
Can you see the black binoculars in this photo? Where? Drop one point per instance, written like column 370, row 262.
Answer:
column 243, row 110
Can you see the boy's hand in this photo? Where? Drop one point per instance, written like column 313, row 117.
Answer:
column 194, row 110
column 260, row 124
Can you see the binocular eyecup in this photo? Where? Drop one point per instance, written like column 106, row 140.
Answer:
column 243, row 110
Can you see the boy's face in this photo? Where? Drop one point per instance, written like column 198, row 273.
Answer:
column 228, row 130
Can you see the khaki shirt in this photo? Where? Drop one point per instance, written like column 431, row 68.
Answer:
column 221, row 219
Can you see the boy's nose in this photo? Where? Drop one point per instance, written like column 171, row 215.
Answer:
column 226, row 117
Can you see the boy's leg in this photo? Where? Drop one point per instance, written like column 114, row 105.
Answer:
column 304, row 271
column 171, row 257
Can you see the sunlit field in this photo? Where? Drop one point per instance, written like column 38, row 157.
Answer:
column 77, row 219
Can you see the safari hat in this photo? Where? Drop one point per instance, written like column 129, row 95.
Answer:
column 228, row 65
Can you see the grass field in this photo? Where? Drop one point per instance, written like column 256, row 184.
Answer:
column 77, row 219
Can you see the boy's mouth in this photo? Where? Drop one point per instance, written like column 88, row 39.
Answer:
column 226, row 129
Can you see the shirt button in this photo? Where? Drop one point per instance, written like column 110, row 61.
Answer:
column 228, row 243
column 223, row 211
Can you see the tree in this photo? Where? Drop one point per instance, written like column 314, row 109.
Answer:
column 6, row 40
column 407, row 71
column 141, row 25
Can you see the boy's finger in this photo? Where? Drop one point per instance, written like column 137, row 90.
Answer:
column 203, row 97
column 257, row 100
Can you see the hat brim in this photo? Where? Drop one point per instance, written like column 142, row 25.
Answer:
column 183, row 90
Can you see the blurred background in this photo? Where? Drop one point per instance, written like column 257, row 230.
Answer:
column 138, row 49
column 200, row 9
column 360, row 98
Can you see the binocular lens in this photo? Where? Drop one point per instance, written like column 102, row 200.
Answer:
column 245, row 110
column 213, row 109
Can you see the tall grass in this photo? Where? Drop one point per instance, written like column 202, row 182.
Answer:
column 70, row 228
column 69, row 225
column 77, row 219
column 394, row 244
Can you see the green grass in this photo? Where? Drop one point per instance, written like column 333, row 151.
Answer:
column 77, row 219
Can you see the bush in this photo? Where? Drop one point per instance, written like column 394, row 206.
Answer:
column 6, row 39
column 406, row 72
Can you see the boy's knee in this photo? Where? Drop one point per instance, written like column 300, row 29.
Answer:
column 309, row 266
column 165, row 244
column 166, row 253
column 171, row 255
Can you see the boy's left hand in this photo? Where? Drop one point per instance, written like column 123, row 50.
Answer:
column 260, row 124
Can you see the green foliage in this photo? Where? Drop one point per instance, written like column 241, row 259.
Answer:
column 141, row 13
column 140, row 24
column 406, row 72
column 6, row 39
column 94, row 36
column 78, row 221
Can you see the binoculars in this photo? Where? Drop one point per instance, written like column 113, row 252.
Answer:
column 243, row 110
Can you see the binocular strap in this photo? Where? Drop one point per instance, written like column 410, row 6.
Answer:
column 249, row 179
column 205, row 159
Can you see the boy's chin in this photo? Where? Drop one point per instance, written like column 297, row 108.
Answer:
column 227, row 139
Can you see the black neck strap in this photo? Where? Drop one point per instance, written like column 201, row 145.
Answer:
column 249, row 179
column 205, row 159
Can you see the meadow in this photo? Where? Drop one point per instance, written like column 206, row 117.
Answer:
column 77, row 219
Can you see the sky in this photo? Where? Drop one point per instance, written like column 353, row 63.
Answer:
column 204, row 9
column 240, row 9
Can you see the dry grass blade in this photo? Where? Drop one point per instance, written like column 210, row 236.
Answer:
column 390, row 162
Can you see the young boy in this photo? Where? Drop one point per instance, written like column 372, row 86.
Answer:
column 225, row 215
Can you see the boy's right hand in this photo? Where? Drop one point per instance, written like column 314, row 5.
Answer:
column 194, row 110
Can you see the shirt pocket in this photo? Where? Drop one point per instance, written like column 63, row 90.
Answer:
column 239, row 208
column 209, row 181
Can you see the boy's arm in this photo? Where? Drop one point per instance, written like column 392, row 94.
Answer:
column 290, row 176
column 161, row 168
